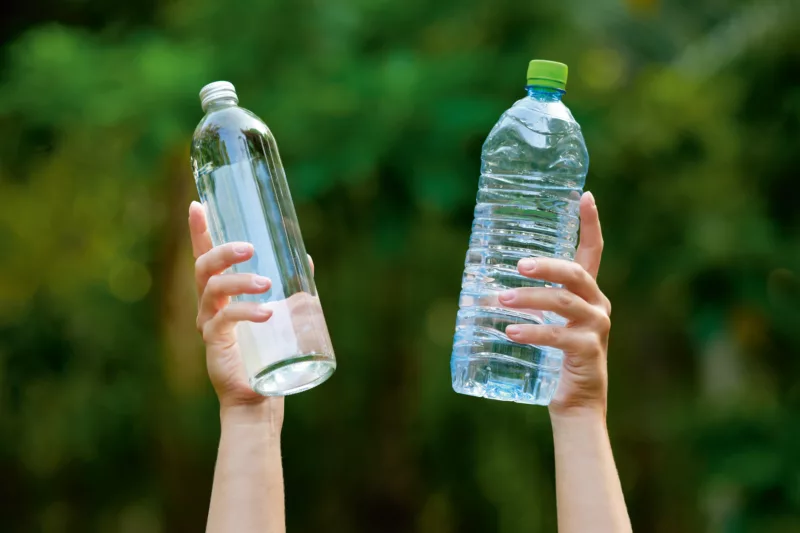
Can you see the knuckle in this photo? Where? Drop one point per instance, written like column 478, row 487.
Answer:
column 553, row 335
column 564, row 299
column 575, row 273
column 522, row 296
column 213, row 285
column 223, row 252
column 199, row 323
column 200, row 264
column 227, row 253
column 597, row 350
column 200, row 267
column 208, row 332
column 604, row 324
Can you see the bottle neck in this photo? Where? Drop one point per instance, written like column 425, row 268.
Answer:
column 545, row 94
column 220, row 103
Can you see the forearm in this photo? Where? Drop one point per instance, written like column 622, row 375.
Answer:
column 587, row 484
column 248, row 480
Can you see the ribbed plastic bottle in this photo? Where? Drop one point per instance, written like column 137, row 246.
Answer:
column 533, row 169
column 243, row 187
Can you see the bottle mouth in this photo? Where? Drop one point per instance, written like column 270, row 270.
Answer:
column 217, row 90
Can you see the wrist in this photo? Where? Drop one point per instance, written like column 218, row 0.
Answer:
column 579, row 405
column 265, row 416
column 580, row 434
column 568, row 419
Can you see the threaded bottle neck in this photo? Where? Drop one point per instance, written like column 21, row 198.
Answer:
column 218, row 94
column 544, row 94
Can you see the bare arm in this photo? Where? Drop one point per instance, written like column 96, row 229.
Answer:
column 248, row 479
column 247, row 495
column 588, row 489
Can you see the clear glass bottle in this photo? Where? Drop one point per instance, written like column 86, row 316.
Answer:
column 243, row 188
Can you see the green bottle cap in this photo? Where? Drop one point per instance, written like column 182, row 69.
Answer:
column 547, row 74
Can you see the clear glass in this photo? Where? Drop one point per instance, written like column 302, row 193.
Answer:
column 534, row 166
column 243, row 187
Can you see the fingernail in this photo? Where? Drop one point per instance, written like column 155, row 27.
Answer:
column 591, row 198
column 507, row 296
column 260, row 281
column 241, row 249
column 527, row 265
column 513, row 330
column 264, row 310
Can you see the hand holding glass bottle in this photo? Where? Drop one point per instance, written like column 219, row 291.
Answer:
column 243, row 188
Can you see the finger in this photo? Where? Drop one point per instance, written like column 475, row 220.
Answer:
column 571, row 275
column 570, row 340
column 219, row 259
column 221, row 326
column 311, row 262
column 560, row 301
column 221, row 287
column 198, row 229
column 590, row 249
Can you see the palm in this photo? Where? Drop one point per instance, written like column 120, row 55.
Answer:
column 223, row 356
column 580, row 381
column 218, row 315
column 227, row 372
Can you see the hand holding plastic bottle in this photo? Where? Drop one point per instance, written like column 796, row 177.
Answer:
column 584, row 339
column 588, row 488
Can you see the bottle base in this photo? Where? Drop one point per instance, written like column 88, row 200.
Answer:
column 496, row 378
column 293, row 375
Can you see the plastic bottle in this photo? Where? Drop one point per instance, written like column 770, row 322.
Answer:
column 534, row 166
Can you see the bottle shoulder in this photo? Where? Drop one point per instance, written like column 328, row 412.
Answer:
column 529, row 108
column 230, row 135
column 538, row 117
column 537, row 138
column 231, row 120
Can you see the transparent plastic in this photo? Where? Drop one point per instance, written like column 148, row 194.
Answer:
column 242, row 185
column 533, row 170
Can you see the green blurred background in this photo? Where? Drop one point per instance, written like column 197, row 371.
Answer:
column 691, row 112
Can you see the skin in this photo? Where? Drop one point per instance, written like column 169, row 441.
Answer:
column 588, row 489
column 247, row 495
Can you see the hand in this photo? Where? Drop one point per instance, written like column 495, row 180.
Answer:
column 217, row 317
column 583, row 383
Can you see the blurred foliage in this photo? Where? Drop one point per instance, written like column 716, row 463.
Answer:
column 691, row 111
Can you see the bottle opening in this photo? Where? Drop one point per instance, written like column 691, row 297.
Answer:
column 218, row 90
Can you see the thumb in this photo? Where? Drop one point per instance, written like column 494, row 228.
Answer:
column 590, row 249
column 198, row 229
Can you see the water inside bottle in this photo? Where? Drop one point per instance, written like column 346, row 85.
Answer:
column 286, row 354
column 534, row 164
column 292, row 351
